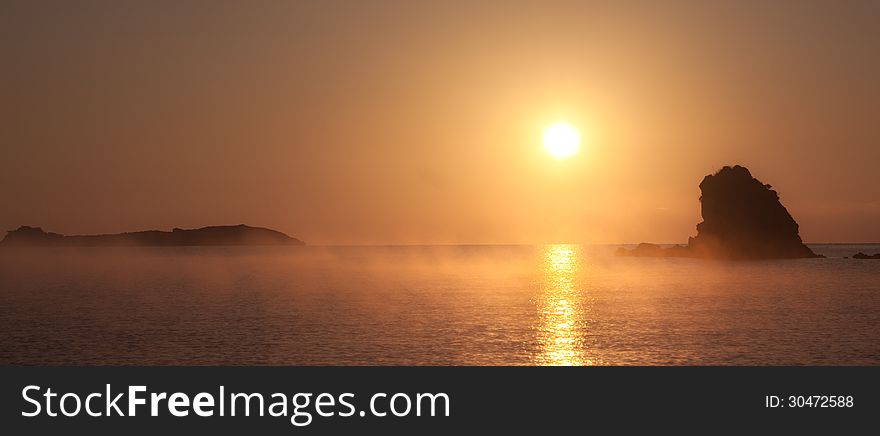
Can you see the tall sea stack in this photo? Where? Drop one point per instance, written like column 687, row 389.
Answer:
column 744, row 219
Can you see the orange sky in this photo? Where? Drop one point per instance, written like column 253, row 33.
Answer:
column 413, row 122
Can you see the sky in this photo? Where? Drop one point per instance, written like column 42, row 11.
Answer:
column 400, row 122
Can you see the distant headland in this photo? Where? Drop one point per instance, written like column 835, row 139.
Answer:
column 742, row 219
column 205, row 236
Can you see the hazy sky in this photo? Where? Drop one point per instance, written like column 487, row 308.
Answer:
column 420, row 122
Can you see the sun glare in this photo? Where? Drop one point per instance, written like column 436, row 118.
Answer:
column 561, row 140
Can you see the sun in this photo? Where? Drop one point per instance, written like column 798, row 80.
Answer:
column 561, row 140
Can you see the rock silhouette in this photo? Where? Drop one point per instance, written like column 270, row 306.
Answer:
column 861, row 255
column 742, row 219
column 205, row 236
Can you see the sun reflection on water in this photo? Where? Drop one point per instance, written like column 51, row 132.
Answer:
column 561, row 308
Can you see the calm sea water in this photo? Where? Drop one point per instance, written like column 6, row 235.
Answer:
column 444, row 305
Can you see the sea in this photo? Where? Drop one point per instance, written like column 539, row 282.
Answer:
column 433, row 305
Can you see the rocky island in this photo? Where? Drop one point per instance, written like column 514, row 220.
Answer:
column 742, row 219
column 205, row 236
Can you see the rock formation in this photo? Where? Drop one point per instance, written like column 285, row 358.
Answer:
column 742, row 219
column 861, row 255
column 217, row 235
